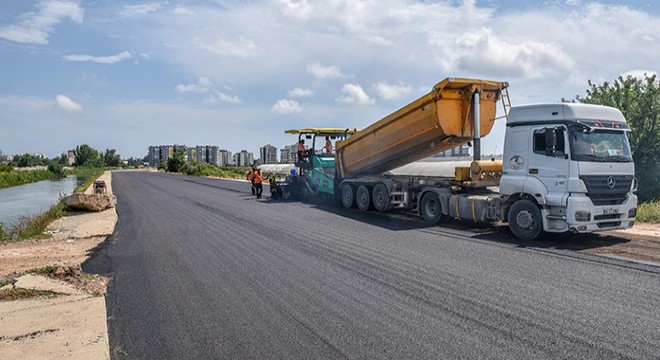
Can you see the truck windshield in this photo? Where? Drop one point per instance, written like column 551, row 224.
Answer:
column 599, row 145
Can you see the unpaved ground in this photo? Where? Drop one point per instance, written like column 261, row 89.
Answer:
column 70, row 321
column 641, row 243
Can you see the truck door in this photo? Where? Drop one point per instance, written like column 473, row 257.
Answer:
column 548, row 162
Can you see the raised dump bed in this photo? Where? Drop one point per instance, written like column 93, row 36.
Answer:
column 438, row 121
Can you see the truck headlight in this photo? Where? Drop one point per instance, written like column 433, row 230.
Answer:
column 632, row 213
column 582, row 216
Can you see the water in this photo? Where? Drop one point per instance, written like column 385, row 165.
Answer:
column 34, row 198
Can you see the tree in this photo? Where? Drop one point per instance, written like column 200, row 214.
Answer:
column 87, row 156
column 178, row 163
column 111, row 159
column 639, row 101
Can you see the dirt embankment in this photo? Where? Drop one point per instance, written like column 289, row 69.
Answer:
column 57, row 311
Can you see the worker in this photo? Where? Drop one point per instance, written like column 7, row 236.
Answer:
column 328, row 145
column 250, row 178
column 301, row 149
column 258, row 180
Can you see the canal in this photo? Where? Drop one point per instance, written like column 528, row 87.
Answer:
column 33, row 199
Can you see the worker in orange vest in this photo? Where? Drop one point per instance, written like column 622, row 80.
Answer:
column 250, row 178
column 301, row 149
column 258, row 182
column 328, row 145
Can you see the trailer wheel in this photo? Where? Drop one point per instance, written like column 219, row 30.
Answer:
column 525, row 220
column 363, row 198
column 347, row 196
column 431, row 208
column 381, row 198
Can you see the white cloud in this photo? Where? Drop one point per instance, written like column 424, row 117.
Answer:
column 202, row 85
column 180, row 10
column 325, row 72
column 286, row 106
column 482, row 52
column 391, row 91
column 638, row 73
column 205, row 85
column 243, row 48
column 65, row 103
column 298, row 92
column 353, row 94
column 227, row 98
column 141, row 9
column 124, row 55
column 36, row 27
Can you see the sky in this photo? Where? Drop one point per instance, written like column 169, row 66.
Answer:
column 128, row 74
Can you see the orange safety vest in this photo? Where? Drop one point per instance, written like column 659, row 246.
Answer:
column 258, row 178
column 328, row 146
column 301, row 147
column 250, row 175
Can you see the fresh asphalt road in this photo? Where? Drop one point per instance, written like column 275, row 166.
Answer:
column 202, row 270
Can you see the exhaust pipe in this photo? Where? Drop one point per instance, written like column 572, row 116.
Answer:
column 477, row 126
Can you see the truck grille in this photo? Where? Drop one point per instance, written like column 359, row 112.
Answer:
column 606, row 189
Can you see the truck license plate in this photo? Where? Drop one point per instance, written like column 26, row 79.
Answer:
column 610, row 211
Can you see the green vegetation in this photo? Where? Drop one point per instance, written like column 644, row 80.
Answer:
column 42, row 270
column 649, row 212
column 31, row 227
column 18, row 294
column 228, row 172
column 638, row 100
column 178, row 163
column 15, row 178
column 86, row 176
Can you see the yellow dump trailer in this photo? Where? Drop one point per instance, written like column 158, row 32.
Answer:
column 438, row 121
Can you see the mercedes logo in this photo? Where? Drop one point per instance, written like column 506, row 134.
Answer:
column 611, row 182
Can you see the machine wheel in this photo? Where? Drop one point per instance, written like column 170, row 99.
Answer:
column 525, row 220
column 381, row 198
column 347, row 196
column 431, row 208
column 363, row 198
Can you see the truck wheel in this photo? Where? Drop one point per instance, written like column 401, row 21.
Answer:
column 431, row 208
column 525, row 220
column 381, row 198
column 347, row 196
column 363, row 198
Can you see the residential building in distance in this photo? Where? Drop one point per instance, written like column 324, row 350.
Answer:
column 224, row 157
column 268, row 154
column 161, row 153
column 243, row 158
column 204, row 153
column 462, row 150
column 288, row 154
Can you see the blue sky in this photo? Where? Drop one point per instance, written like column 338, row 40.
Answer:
column 129, row 74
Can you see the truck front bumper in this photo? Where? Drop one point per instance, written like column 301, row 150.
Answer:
column 583, row 216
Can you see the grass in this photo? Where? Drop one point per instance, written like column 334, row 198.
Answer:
column 17, row 294
column 15, row 178
column 204, row 169
column 648, row 212
column 42, row 270
column 33, row 227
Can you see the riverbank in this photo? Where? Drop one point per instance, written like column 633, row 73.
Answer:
column 33, row 226
column 64, row 315
column 16, row 178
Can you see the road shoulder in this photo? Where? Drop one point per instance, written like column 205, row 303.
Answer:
column 67, row 317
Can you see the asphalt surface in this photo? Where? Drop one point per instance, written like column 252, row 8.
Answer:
column 202, row 270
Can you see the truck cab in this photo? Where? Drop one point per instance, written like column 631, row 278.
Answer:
column 573, row 162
